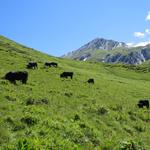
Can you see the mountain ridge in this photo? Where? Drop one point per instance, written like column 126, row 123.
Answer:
column 110, row 51
column 98, row 43
column 103, row 44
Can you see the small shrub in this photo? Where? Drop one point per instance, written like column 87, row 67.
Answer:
column 139, row 128
column 18, row 127
column 42, row 133
column 44, row 101
column 133, row 115
column 102, row 110
column 91, row 135
column 29, row 120
column 76, row 117
column 10, row 98
column 41, row 101
column 82, row 125
column 130, row 145
column 10, row 120
column 68, row 94
column 128, row 130
column 121, row 118
column 117, row 108
column 4, row 82
column 127, row 145
column 30, row 102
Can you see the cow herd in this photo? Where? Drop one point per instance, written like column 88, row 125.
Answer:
column 23, row 77
column 34, row 65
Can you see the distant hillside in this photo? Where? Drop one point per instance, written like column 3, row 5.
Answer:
column 110, row 51
column 102, row 44
column 85, row 52
column 53, row 113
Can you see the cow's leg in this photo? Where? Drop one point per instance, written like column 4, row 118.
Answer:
column 147, row 106
column 13, row 81
column 24, row 81
column 140, row 105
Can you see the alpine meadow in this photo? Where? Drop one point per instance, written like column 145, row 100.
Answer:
column 53, row 113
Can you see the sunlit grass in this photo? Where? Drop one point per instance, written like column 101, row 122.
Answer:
column 71, row 114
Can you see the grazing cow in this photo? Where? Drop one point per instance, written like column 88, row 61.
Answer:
column 32, row 65
column 143, row 103
column 90, row 81
column 50, row 64
column 19, row 75
column 66, row 75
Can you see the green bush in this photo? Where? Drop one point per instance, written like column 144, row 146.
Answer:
column 102, row 110
column 130, row 145
column 29, row 120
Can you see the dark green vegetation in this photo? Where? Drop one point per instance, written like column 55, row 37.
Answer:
column 53, row 113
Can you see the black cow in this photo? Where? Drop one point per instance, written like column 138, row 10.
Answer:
column 32, row 65
column 19, row 75
column 50, row 64
column 90, row 81
column 143, row 103
column 66, row 75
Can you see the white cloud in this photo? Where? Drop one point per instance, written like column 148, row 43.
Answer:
column 139, row 34
column 138, row 44
column 130, row 44
column 147, row 31
column 142, row 43
column 148, row 16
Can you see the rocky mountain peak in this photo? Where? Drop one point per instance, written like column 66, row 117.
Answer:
column 104, row 50
column 102, row 44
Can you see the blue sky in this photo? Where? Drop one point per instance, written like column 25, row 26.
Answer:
column 59, row 26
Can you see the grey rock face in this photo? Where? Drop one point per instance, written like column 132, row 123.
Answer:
column 146, row 53
column 83, row 57
column 104, row 50
column 136, row 57
column 103, row 44
column 86, row 51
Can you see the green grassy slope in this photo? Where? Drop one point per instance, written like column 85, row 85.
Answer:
column 70, row 114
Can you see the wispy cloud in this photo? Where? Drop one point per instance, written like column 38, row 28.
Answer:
column 142, row 43
column 138, row 44
column 130, row 44
column 142, row 35
column 147, row 31
column 148, row 16
column 139, row 34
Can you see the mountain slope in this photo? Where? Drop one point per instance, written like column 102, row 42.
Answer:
column 53, row 113
column 91, row 47
column 110, row 51
column 103, row 44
